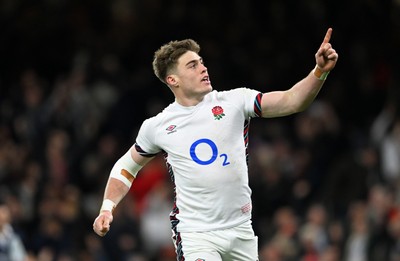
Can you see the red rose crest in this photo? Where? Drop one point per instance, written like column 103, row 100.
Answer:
column 218, row 112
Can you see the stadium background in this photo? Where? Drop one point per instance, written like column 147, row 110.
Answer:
column 76, row 82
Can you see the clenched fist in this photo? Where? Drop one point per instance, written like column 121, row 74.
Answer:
column 102, row 223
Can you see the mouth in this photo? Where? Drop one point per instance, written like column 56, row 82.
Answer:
column 205, row 79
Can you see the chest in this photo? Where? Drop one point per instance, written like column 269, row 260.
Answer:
column 207, row 130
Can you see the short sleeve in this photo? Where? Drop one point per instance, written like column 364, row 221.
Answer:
column 247, row 100
column 145, row 140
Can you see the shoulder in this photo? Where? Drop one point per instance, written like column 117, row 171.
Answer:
column 235, row 92
column 171, row 111
column 241, row 94
column 244, row 99
column 154, row 121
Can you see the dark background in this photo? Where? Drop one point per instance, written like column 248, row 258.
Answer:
column 76, row 82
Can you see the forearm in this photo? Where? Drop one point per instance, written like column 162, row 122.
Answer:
column 115, row 190
column 120, row 180
column 121, row 177
column 304, row 92
column 296, row 99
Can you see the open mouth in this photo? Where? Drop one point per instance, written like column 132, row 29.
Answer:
column 205, row 79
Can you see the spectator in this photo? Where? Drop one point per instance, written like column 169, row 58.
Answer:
column 313, row 233
column 11, row 245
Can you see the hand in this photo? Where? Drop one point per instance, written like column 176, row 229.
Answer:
column 326, row 57
column 102, row 223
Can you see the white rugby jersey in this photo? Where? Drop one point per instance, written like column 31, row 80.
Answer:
column 206, row 152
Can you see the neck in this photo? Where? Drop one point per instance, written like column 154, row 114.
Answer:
column 188, row 102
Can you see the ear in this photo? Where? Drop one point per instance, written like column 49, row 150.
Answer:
column 172, row 80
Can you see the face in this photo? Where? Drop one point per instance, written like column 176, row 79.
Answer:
column 190, row 80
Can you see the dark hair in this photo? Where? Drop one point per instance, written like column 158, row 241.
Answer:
column 166, row 58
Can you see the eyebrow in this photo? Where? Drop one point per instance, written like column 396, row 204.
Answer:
column 194, row 61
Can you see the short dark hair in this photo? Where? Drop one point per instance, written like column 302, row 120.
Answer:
column 166, row 58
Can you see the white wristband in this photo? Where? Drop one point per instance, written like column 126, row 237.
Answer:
column 108, row 205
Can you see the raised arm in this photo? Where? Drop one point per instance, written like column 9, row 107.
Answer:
column 121, row 177
column 303, row 93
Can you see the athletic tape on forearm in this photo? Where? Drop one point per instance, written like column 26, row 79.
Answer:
column 125, row 169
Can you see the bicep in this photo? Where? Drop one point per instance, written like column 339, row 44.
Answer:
column 138, row 158
column 276, row 104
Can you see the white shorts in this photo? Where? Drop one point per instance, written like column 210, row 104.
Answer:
column 237, row 243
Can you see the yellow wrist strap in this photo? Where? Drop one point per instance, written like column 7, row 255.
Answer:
column 320, row 74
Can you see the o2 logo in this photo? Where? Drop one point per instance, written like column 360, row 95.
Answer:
column 214, row 150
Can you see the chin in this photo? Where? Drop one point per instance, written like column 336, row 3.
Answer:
column 206, row 89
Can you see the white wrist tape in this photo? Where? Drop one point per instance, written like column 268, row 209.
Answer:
column 108, row 205
column 125, row 169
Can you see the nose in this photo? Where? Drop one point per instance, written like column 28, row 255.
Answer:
column 203, row 68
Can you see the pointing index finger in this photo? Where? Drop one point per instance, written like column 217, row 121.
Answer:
column 327, row 37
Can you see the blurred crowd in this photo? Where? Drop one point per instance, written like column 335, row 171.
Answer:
column 76, row 82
